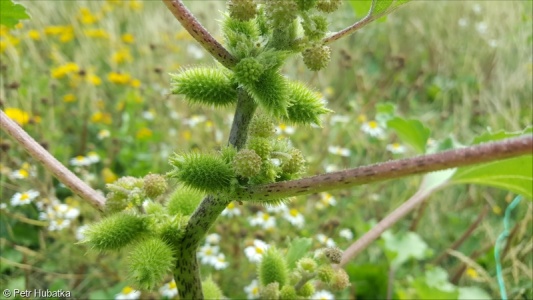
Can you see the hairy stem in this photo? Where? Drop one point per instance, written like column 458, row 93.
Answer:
column 200, row 34
column 390, row 170
column 187, row 271
column 61, row 172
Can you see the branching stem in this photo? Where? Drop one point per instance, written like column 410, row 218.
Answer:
column 200, row 34
column 61, row 172
column 389, row 170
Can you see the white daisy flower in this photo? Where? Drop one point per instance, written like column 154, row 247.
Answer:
column 24, row 198
column 207, row 254
column 326, row 199
column 263, row 220
column 373, row 129
column 80, row 161
column 396, row 148
column 276, row 209
column 339, row 151
column 169, row 290
column 321, row 238
column 219, row 262
column 194, row 120
column 103, row 134
column 339, row 119
column 322, row 295
column 463, row 22
column 58, row 224
column 128, row 293
column 255, row 252
column 64, row 211
column 231, row 210
column 482, row 27
column 213, row 238
column 93, row 157
column 286, row 129
column 252, row 290
column 80, row 232
column 295, row 218
column 148, row 115
column 346, row 233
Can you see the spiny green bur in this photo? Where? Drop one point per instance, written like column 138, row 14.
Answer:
column 123, row 192
column 247, row 163
column 306, row 290
column 211, row 289
column 271, row 92
column 242, row 10
column 171, row 229
column 288, row 293
column 305, row 106
column 208, row 173
column 270, row 291
column 261, row 146
column 184, row 201
column 207, row 86
column 149, row 262
column 273, row 268
column 261, row 126
column 154, row 185
column 116, row 231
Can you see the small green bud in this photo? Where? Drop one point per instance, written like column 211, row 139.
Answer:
column 268, row 174
column 317, row 58
column 154, row 185
column 150, row 261
column 211, row 289
column 325, row 273
column 296, row 164
column 340, row 281
column 261, row 126
column 208, row 173
column 280, row 12
column 315, row 27
column 154, row 208
column 248, row 70
column 306, row 290
column 334, row 254
column 304, row 5
column 207, row 86
column 305, row 105
column 116, row 231
column 328, row 6
column 261, row 146
column 242, row 10
column 307, row 265
column 183, row 201
column 247, row 163
column 122, row 193
column 228, row 154
column 270, row 291
column 288, row 293
column 273, row 268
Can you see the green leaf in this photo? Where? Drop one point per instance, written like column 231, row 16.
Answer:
column 514, row 174
column 401, row 247
column 381, row 7
column 11, row 13
column 361, row 7
column 298, row 249
column 435, row 285
column 412, row 132
column 473, row 292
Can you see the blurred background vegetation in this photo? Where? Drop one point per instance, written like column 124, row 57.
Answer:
column 89, row 80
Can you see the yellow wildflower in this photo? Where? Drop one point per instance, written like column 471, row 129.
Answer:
column 69, row 98
column 54, row 30
column 64, row 70
column 108, row 175
column 86, row 17
column 7, row 42
column 186, row 135
column 96, row 33
column 135, row 83
column 472, row 273
column 94, row 79
column 361, row 118
column 19, row 25
column 143, row 133
column 136, row 5
column 128, row 38
column 497, row 210
column 122, row 56
column 101, row 117
column 34, row 35
column 65, row 33
column 17, row 115
column 119, row 78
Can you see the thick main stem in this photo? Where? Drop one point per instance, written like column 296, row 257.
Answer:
column 390, row 170
column 187, row 271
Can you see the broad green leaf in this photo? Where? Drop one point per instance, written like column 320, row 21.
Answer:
column 401, row 247
column 361, row 7
column 473, row 293
column 371, row 279
column 514, row 174
column 435, row 285
column 298, row 249
column 11, row 13
column 385, row 112
column 436, row 180
column 412, row 132
column 500, row 135
column 381, row 7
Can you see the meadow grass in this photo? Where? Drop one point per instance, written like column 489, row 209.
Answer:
column 86, row 69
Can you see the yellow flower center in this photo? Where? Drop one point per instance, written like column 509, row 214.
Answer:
column 127, row 290
column 258, row 250
column 231, row 205
column 266, row 217
column 373, row 124
column 293, row 212
column 395, row 145
column 172, row 285
column 23, row 173
column 255, row 291
column 24, row 197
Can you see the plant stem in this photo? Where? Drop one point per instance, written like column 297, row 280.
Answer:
column 200, row 34
column 187, row 272
column 389, row 170
column 61, row 172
